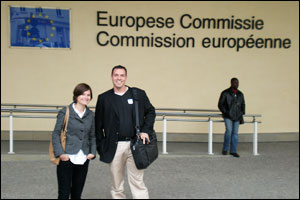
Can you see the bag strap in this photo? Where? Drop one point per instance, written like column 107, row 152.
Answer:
column 136, row 105
column 66, row 119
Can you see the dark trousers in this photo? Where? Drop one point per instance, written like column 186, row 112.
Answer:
column 71, row 179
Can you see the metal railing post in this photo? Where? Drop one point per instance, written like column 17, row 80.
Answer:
column 255, row 139
column 11, row 135
column 210, row 137
column 164, row 147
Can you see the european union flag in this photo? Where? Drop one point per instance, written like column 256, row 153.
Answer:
column 39, row 27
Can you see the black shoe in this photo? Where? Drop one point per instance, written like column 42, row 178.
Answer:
column 224, row 153
column 235, row 155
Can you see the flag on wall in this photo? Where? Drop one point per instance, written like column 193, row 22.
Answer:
column 39, row 27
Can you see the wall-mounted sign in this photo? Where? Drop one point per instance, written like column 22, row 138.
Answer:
column 39, row 27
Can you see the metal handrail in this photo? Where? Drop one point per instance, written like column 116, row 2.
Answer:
column 163, row 114
column 29, row 110
column 157, row 113
column 15, row 105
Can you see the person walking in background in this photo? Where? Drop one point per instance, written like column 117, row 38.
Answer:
column 232, row 106
column 115, row 127
column 80, row 144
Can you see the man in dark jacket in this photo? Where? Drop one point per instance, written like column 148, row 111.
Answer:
column 232, row 106
column 115, row 127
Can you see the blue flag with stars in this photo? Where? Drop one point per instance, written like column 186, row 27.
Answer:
column 39, row 27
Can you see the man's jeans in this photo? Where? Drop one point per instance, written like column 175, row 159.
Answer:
column 231, row 135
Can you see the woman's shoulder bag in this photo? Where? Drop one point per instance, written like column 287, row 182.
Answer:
column 52, row 158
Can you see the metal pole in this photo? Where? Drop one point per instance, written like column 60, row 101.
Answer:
column 11, row 135
column 210, row 137
column 255, row 139
column 164, row 147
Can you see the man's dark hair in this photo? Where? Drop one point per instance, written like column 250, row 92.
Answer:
column 118, row 67
column 234, row 79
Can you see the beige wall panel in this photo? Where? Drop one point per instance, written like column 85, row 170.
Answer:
column 172, row 77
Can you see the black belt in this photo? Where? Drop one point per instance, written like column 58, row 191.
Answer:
column 124, row 138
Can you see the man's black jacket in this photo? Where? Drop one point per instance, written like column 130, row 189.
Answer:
column 232, row 105
column 106, row 121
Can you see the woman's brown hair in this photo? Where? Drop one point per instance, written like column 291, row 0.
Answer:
column 80, row 89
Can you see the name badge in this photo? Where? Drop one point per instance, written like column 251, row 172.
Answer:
column 130, row 101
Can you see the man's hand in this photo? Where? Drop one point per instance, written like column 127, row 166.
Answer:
column 145, row 136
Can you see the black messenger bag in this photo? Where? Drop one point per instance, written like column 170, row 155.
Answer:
column 143, row 154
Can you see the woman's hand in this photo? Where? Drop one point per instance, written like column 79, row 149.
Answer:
column 64, row 157
column 90, row 156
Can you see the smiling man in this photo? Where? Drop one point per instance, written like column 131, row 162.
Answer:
column 115, row 127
